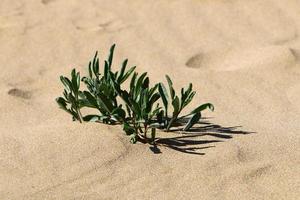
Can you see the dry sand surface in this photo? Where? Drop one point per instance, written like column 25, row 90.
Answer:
column 241, row 55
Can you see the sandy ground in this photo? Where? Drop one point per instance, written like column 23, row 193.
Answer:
column 243, row 56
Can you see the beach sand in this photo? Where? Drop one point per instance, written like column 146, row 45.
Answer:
column 243, row 56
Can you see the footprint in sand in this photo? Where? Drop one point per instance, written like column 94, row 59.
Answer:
column 23, row 94
column 238, row 59
column 257, row 172
column 104, row 22
column 45, row 2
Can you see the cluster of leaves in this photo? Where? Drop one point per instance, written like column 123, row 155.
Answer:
column 139, row 109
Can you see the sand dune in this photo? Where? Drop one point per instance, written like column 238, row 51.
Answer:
column 243, row 56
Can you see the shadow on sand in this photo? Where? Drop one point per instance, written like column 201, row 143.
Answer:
column 193, row 140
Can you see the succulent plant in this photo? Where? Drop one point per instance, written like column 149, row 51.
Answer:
column 140, row 102
column 179, row 103
column 71, row 101
column 101, row 92
column 139, row 109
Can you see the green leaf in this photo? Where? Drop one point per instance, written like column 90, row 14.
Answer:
column 159, row 116
column 129, row 130
column 176, row 106
column 105, row 102
column 153, row 99
column 91, row 99
column 153, row 89
column 140, row 80
column 86, row 103
column 65, row 93
column 124, row 64
column 155, row 112
column 92, row 118
column 106, row 70
column 72, row 100
column 132, row 83
column 110, row 57
column 164, row 95
column 128, row 110
column 96, row 68
column 67, row 83
column 94, row 63
column 133, row 138
column 119, row 113
column 63, row 105
column 78, row 80
column 135, row 107
column 192, row 121
column 74, row 81
column 127, row 74
column 146, row 83
column 190, row 88
column 189, row 99
column 203, row 107
column 61, row 102
column 90, row 70
column 138, row 86
column 170, row 83
column 125, row 96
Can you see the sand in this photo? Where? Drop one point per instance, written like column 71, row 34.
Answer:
column 243, row 56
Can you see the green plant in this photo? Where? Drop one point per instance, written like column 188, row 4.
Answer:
column 140, row 102
column 102, row 94
column 139, row 109
column 179, row 103
column 71, row 102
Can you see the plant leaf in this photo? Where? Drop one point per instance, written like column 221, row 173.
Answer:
column 129, row 130
column 164, row 95
column 91, row 99
column 132, row 83
column 92, row 118
column 105, row 102
column 188, row 100
column 111, row 55
column 176, row 106
column 193, row 120
column 94, row 64
column 106, row 70
column 74, row 81
column 146, row 83
column 140, row 80
column 133, row 138
column 90, row 70
column 124, row 64
column 153, row 99
column 127, row 74
column 170, row 83
column 119, row 113
column 203, row 107
column 61, row 102
column 67, row 83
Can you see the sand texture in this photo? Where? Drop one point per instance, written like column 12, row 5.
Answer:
column 241, row 55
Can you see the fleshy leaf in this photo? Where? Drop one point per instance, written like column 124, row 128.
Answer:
column 192, row 121
column 203, row 107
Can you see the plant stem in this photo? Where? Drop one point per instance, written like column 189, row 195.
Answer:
column 135, row 124
column 174, row 118
column 146, row 129
column 79, row 115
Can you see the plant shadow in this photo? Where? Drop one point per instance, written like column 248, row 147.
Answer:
column 192, row 141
